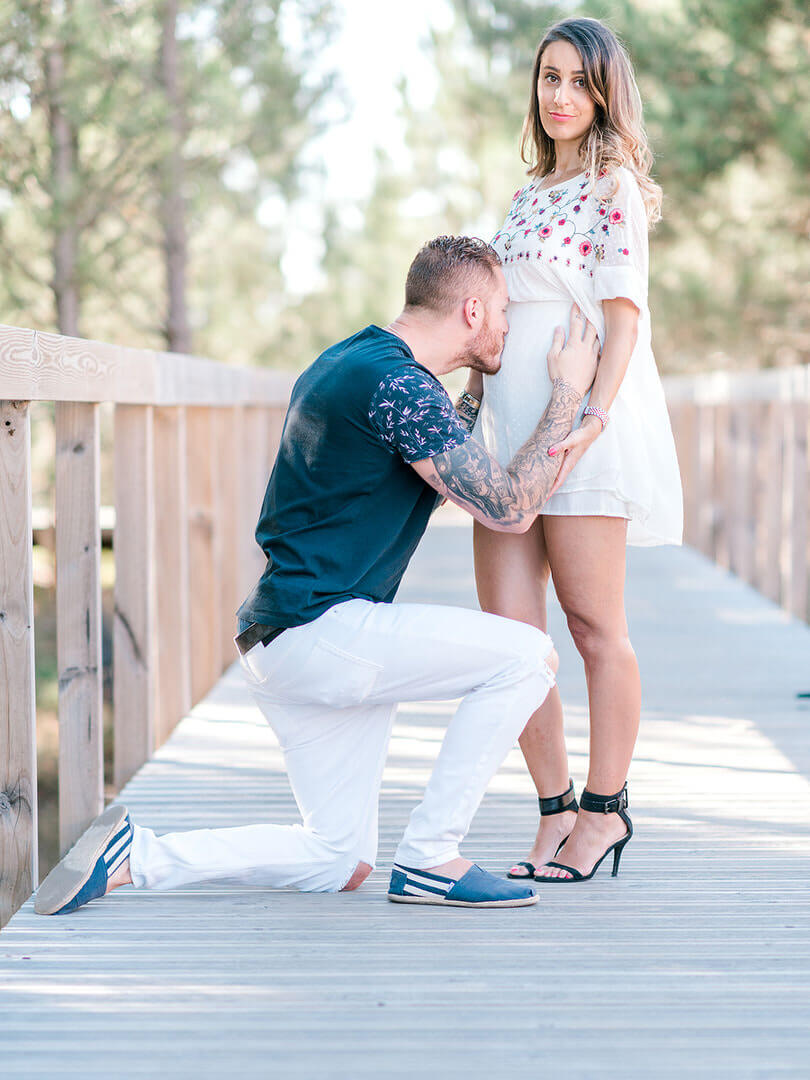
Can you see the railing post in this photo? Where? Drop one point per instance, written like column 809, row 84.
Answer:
column 228, row 424
column 171, row 570
column 78, row 615
column 706, row 495
column 134, row 640
column 206, row 631
column 799, row 600
column 253, row 481
column 721, row 546
column 18, row 755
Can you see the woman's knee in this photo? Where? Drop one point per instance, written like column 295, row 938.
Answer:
column 597, row 641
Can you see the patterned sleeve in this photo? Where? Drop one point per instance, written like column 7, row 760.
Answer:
column 622, row 250
column 413, row 416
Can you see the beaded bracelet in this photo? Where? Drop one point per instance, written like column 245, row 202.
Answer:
column 600, row 414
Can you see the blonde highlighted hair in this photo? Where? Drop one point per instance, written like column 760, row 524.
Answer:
column 616, row 137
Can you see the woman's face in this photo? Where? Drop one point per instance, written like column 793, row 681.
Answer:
column 566, row 108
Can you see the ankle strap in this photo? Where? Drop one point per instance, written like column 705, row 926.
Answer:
column 559, row 803
column 604, row 804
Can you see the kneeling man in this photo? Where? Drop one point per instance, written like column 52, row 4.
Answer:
column 371, row 442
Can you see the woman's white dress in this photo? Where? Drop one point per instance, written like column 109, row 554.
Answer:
column 567, row 244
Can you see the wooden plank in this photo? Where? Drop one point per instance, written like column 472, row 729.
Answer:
column 727, row 387
column 708, row 934
column 800, row 586
column 768, row 508
column 205, row 591
column 18, row 753
column 49, row 367
column 740, row 495
column 276, row 415
column 134, row 638
column 78, row 612
column 253, row 481
column 721, row 548
column 227, row 428
column 687, row 457
column 173, row 692
column 704, row 480
column 784, row 506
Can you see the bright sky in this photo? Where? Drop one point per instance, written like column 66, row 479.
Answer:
column 380, row 42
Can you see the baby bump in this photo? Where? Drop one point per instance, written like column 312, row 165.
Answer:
column 515, row 398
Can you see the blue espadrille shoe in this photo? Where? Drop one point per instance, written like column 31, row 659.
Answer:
column 83, row 874
column 476, row 888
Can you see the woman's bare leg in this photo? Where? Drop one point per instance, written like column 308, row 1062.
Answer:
column 587, row 558
column 511, row 573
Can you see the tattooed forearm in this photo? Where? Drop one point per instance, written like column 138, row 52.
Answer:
column 471, row 475
column 534, row 469
column 508, row 497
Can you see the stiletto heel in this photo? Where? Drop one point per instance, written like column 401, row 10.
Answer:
column 617, row 854
column 558, row 804
column 598, row 804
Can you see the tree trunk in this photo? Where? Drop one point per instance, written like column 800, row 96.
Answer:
column 64, row 147
column 172, row 203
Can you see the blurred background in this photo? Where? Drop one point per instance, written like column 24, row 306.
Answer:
column 250, row 181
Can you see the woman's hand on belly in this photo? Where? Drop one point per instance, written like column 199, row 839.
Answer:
column 571, row 449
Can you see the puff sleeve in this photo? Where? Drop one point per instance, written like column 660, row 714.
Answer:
column 622, row 249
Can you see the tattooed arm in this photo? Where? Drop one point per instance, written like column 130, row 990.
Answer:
column 509, row 499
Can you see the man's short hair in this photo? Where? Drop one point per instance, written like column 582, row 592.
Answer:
column 447, row 270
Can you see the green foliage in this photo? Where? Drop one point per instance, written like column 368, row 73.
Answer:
column 726, row 86
column 250, row 107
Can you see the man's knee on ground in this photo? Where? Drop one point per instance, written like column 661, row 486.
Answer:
column 536, row 650
column 361, row 872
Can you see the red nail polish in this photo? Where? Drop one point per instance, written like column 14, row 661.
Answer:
column 552, row 451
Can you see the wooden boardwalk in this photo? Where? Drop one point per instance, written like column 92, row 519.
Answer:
column 694, row 962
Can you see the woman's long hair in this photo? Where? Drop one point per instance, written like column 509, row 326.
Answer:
column 616, row 136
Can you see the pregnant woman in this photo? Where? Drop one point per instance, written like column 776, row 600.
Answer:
column 577, row 232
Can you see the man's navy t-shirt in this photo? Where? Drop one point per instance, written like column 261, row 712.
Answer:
column 344, row 510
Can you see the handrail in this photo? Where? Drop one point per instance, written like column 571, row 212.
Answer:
column 193, row 444
column 743, row 441
column 38, row 366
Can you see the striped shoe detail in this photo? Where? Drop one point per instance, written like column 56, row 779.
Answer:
column 421, row 883
column 476, row 888
column 118, row 849
column 83, row 873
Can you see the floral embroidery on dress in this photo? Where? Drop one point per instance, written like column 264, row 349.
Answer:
column 414, row 416
column 560, row 210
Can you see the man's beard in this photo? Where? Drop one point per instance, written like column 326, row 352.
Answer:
column 484, row 352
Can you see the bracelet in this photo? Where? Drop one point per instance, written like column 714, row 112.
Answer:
column 600, row 414
column 467, row 399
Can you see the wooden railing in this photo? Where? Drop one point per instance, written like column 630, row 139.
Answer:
column 743, row 447
column 193, row 445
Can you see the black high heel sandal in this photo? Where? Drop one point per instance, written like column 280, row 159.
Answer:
column 598, row 804
column 558, row 804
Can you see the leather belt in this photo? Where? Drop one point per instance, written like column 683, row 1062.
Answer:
column 255, row 633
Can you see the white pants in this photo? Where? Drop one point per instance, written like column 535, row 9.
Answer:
column 329, row 690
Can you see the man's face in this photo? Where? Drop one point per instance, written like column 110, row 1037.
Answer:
column 483, row 353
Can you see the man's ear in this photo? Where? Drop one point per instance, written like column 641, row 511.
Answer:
column 473, row 311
